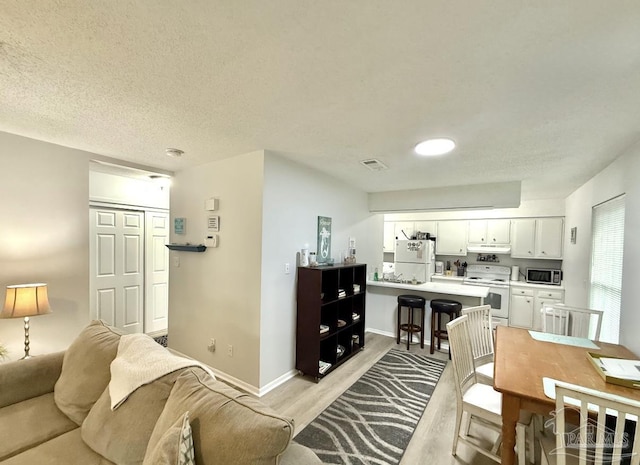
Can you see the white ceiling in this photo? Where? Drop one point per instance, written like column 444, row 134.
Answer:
column 545, row 92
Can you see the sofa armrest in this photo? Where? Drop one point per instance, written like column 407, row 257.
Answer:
column 24, row 379
column 297, row 454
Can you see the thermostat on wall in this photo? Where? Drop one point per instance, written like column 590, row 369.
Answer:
column 211, row 240
column 211, row 204
column 213, row 223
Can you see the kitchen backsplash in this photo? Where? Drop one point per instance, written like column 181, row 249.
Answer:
column 504, row 260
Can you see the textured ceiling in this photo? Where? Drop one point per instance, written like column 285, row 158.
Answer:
column 545, row 92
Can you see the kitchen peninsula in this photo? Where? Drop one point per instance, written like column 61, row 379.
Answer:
column 382, row 301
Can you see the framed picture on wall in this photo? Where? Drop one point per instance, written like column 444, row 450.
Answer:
column 324, row 239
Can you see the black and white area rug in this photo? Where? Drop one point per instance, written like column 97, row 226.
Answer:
column 372, row 422
column 162, row 340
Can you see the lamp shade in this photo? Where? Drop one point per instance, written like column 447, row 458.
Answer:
column 26, row 300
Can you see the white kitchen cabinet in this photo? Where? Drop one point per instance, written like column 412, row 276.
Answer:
column 521, row 308
column 489, row 231
column 549, row 232
column 430, row 227
column 389, row 237
column 542, row 297
column 537, row 238
column 394, row 229
column 526, row 303
column 408, row 227
column 452, row 238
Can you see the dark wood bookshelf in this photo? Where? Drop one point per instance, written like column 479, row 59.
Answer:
column 321, row 302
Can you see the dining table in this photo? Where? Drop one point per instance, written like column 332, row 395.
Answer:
column 524, row 358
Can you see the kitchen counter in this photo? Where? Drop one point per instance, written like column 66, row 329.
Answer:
column 382, row 302
column 443, row 278
column 549, row 287
column 436, row 288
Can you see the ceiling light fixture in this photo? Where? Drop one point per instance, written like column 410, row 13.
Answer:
column 431, row 147
column 175, row 153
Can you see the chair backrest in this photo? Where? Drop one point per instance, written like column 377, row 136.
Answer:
column 578, row 322
column 461, row 354
column 480, row 333
column 600, row 437
column 555, row 320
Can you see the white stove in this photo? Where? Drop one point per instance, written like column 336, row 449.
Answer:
column 488, row 275
column 496, row 278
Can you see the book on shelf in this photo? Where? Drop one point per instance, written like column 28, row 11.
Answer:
column 355, row 316
column 324, row 329
column 356, row 288
column 323, row 367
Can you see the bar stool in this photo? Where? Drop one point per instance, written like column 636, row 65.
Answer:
column 439, row 307
column 411, row 302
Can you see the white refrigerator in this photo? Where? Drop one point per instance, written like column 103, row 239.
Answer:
column 415, row 258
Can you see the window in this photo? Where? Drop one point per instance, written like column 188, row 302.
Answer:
column 606, row 265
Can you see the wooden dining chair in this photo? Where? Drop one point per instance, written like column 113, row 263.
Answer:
column 479, row 401
column 572, row 321
column 604, row 420
column 481, row 337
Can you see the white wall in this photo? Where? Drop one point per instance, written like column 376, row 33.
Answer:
column 45, row 238
column 618, row 178
column 216, row 293
column 294, row 197
column 239, row 293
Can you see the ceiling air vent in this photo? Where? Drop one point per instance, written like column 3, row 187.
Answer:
column 374, row 165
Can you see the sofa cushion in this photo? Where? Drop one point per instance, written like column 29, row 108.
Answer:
column 122, row 435
column 175, row 446
column 67, row 449
column 85, row 370
column 229, row 427
column 31, row 422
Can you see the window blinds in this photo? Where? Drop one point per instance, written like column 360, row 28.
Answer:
column 606, row 265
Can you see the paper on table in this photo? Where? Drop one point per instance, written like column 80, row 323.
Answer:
column 560, row 339
column 621, row 368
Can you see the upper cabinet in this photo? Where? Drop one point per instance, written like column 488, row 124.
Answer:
column 492, row 232
column 398, row 229
column 389, row 238
column 452, row 238
column 537, row 238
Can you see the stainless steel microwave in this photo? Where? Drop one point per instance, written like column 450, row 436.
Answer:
column 544, row 276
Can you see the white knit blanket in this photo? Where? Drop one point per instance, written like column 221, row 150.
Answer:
column 141, row 360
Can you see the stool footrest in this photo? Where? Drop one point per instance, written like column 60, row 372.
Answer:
column 410, row 328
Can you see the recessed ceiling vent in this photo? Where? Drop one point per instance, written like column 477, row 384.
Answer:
column 374, row 165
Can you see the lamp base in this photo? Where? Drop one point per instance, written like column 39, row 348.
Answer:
column 26, row 339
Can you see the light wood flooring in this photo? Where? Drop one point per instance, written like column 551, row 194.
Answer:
column 303, row 399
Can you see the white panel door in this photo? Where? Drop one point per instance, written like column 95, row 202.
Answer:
column 117, row 268
column 157, row 272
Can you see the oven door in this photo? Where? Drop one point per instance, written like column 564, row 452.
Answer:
column 498, row 298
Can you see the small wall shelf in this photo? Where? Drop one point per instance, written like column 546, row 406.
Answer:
column 187, row 247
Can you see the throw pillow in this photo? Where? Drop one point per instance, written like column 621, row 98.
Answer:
column 85, row 370
column 229, row 427
column 175, row 446
column 122, row 435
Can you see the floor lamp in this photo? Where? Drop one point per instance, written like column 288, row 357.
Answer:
column 25, row 301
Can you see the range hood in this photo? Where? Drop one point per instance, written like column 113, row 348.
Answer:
column 489, row 249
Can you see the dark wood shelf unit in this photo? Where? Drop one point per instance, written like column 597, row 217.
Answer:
column 320, row 303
